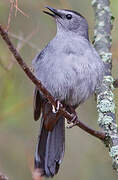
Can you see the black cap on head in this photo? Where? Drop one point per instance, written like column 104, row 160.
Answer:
column 73, row 12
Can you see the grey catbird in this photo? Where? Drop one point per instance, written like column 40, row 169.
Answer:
column 70, row 68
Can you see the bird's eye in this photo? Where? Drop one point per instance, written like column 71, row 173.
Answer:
column 69, row 16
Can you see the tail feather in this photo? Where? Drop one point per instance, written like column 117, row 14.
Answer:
column 50, row 148
column 40, row 148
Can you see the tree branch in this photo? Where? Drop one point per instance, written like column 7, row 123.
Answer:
column 50, row 98
column 105, row 96
column 115, row 83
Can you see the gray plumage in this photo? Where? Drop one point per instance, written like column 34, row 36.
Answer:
column 70, row 69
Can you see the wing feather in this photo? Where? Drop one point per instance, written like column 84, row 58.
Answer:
column 37, row 104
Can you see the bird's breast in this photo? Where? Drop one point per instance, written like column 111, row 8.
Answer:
column 69, row 81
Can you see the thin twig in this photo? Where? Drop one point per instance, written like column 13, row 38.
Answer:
column 10, row 14
column 25, row 41
column 16, row 3
column 21, row 43
column 49, row 97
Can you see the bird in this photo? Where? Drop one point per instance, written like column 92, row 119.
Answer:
column 70, row 68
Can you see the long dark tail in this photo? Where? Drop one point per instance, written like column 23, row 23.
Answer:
column 50, row 148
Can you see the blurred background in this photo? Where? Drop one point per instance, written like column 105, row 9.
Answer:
column 85, row 157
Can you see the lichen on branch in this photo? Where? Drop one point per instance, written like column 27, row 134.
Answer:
column 105, row 96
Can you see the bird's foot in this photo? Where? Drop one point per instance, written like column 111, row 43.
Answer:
column 73, row 122
column 55, row 110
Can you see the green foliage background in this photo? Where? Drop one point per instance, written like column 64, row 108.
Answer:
column 85, row 157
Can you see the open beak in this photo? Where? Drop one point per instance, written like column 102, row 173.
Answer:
column 55, row 12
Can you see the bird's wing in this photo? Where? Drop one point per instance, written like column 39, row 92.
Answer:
column 37, row 96
column 37, row 104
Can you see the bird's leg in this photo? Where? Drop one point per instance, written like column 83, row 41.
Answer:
column 74, row 121
column 52, row 120
column 51, row 115
column 55, row 110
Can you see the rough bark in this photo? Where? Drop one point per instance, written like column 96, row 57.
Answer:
column 105, row 96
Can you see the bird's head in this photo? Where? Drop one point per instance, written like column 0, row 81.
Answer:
column 69, row 21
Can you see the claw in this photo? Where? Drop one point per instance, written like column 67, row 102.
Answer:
column 55, row 110
column 73, row 122
column 72, row 125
